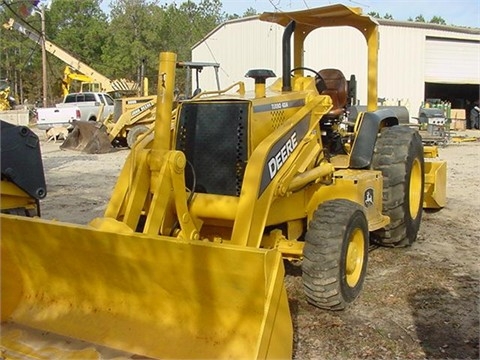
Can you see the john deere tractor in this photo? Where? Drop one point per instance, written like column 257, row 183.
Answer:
column 187, row 260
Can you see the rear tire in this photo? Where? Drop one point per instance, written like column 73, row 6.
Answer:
column 399, row 156
column 335, row 254
column 134, row 134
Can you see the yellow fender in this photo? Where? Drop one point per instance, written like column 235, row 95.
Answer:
column 435, row 187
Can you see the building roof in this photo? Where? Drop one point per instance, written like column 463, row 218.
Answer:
column 385, row 22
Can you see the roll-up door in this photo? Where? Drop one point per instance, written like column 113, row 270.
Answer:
column 453, row 61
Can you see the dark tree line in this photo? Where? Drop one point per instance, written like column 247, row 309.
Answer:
column 419, row 18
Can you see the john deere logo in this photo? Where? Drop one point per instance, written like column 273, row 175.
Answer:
column 281, row 151
column 368, row 198
column 142, row 108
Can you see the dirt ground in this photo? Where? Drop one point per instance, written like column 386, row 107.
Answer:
column 417, row 303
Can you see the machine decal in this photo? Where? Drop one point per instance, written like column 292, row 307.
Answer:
column 142, row 108
column 281, row 105
column 281, row 152
column 368, row 197
column 276, row 162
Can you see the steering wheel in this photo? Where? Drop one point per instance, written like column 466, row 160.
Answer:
column 319, row 81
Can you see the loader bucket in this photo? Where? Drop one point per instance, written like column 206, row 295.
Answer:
column 89, row 137
column 435, row 190
column 156, row 297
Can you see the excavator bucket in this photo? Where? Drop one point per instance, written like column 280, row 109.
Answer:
column 435, row 196
column 88, row 137
column 157, row 297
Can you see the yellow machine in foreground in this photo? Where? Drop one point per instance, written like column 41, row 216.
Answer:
column 187, row 261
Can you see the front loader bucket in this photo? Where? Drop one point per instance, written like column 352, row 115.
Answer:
column 435, row 190
column 89, row 137
column 157, row 297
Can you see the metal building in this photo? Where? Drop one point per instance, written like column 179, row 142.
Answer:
column 417, row 61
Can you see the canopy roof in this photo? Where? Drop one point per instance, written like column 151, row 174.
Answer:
column 332, row 15
column 329, row 16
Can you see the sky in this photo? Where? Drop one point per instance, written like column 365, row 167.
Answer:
column 457, row 12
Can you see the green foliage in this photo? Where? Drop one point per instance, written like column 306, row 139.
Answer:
column 250, row 12
column 139, row 30
column 133, row 37
column 20, row 58
column 77, row 26
column 133, row 34
column 433, row 20
column 419, row 18
column 374, row 14
column 438, row 20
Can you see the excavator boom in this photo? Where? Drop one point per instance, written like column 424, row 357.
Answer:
column 107, row 85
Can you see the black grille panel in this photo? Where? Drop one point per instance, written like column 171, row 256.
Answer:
column 213, row 137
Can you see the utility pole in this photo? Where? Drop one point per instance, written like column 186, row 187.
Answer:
column 41, row 12
column 44, row 58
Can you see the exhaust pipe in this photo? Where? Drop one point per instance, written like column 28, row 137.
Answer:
column 286, row 56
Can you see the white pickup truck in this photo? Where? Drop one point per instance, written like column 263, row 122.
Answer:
column 87, row 106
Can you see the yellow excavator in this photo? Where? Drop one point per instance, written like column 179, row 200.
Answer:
column 87, row 84
column 7, row 101
column 187, row 261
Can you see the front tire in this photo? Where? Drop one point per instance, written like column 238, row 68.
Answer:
column 335, row 254
column 135, row 133
column 399, row 156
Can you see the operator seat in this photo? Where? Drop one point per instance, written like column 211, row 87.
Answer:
column 335, row 86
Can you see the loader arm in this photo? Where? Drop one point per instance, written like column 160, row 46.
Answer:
column 280, row 156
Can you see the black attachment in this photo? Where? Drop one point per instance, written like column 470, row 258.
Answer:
column 21, row 159
column 260, row 75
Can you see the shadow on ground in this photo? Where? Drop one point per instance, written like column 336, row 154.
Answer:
column 444, row 322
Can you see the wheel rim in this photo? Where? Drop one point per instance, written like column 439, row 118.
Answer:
column 415, row 191
column 355, row 256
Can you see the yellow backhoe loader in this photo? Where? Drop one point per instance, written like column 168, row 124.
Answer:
column 132, row 118
column 187, row 261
